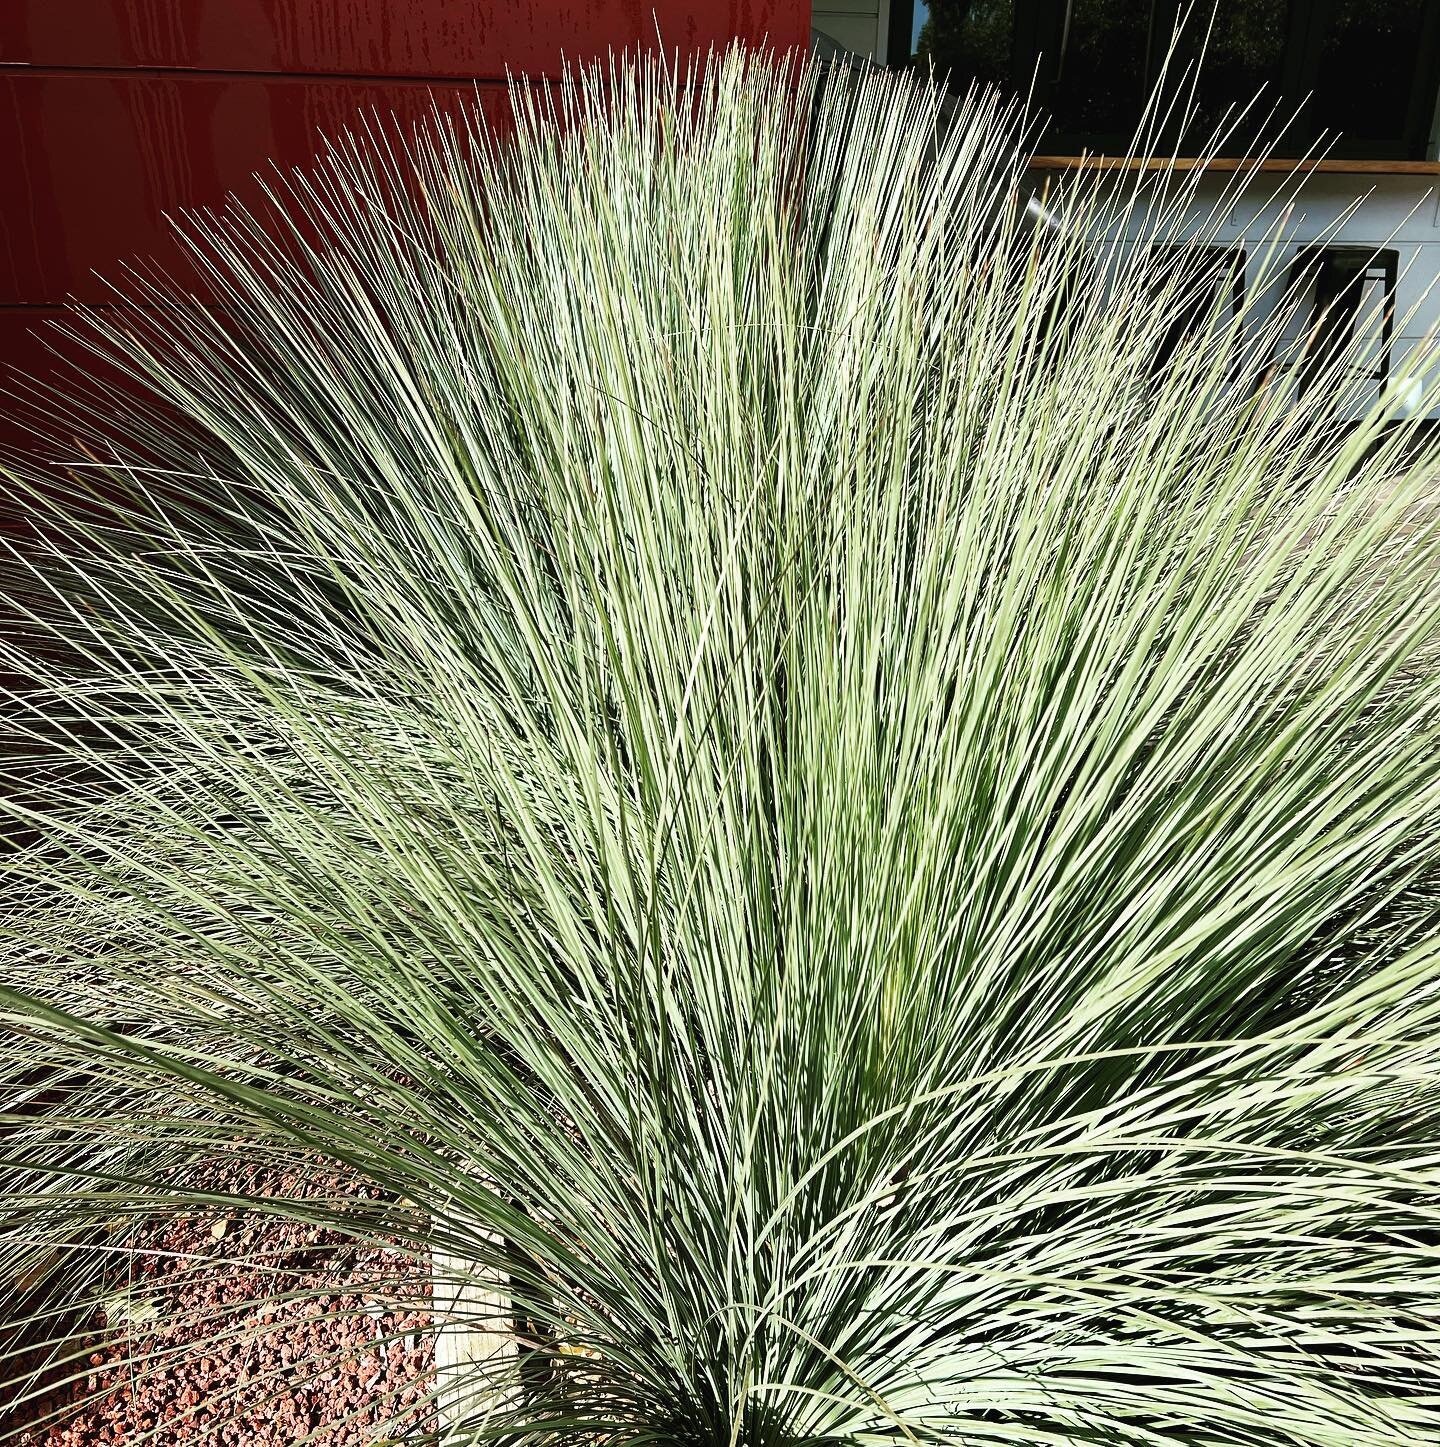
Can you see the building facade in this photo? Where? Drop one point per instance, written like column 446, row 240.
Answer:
column 1349, row 94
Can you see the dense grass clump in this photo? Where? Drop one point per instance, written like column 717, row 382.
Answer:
column 685, row 696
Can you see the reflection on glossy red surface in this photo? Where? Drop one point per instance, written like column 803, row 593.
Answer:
column 115, row 112
column 390, row 37
column 104, row 158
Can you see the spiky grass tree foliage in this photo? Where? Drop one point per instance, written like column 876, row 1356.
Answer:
column 681, row 697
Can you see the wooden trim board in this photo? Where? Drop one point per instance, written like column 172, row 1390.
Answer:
column 1327, row 166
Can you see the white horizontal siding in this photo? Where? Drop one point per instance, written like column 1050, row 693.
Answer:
column 1402, row 212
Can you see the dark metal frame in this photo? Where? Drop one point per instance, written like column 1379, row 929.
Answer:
column 1213, row 274
column 1332, row 279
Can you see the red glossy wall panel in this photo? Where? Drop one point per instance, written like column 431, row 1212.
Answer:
column 115, row 112
column 28, row 349
column 34, row 347
column 103, row 158
column 24, row 342
column 395, row 37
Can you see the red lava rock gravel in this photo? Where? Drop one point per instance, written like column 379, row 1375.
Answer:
column 350, row 1362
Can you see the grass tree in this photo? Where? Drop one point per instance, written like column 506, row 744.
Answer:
column 676, row 694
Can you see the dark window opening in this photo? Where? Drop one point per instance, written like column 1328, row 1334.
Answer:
column 1358, row 77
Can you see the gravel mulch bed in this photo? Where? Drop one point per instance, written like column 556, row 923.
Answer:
column 230, row 1367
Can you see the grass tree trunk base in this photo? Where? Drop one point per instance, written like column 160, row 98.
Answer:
column 477, row 1362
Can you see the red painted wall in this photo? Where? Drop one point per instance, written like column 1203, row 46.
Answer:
column 114, row 111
